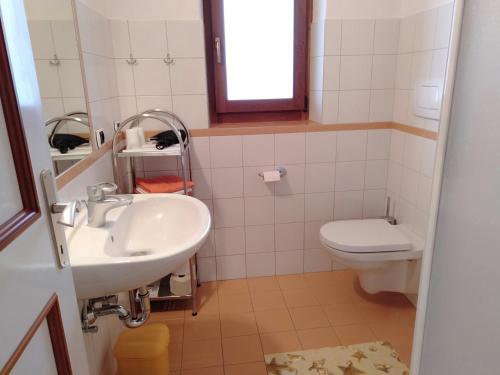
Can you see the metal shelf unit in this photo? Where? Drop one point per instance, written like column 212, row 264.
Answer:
column 181, row 151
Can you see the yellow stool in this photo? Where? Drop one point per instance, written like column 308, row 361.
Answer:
column 143, row 350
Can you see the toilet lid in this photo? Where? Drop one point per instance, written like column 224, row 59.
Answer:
column 364, row 236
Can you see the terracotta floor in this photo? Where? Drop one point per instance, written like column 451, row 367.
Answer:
column 240, row 320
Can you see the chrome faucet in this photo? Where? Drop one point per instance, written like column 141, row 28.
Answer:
column 100, row 202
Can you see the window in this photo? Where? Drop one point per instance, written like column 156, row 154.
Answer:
column 257, row 57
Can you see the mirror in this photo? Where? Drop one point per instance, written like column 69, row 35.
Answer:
column 59, row 71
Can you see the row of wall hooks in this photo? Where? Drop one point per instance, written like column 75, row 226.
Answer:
column 168, row 60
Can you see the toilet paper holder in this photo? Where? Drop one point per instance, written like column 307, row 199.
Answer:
column 281, row 170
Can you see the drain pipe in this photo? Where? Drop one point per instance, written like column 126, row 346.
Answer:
column 90, row 312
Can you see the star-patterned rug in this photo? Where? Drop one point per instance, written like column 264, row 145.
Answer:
column 372, row 358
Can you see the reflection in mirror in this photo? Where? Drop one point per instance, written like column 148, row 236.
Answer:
column 57, row 60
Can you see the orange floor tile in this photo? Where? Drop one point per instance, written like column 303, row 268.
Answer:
column 241, row 320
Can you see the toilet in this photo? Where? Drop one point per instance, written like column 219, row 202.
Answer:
column 386, row 257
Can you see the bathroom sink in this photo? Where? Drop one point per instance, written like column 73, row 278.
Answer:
column 139, row 243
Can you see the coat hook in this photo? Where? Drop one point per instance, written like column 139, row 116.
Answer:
column 55, row 61
column 131, row 60
column 169, row 60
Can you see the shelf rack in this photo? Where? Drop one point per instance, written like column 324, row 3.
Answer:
column 181, row 151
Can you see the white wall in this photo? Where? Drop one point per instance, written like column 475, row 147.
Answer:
column 148, row 9
column 409, row 7
column 48, row 9
column 363, row 9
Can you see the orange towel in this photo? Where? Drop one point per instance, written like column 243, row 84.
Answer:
column 162, row 184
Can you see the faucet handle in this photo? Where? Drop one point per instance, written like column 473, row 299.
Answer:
column 97, row 192
column 68, row 212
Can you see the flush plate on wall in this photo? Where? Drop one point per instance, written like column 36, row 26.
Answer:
column 99, row 137
column 428, row 98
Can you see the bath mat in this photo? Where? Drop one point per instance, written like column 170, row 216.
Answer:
column 373, row 358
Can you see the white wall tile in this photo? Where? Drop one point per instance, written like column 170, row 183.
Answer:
column 253, row 184
column 374, row 202
column 438, row 67
column 357, row 37
column 407, row 34
column 351, row 145
column 376, row 174
column 289, row 208
column 207, row 250
column 379, row 144
column 200, row 152
column 154, row 101
column 70, row 74
column 320, row 177
column 124, row 78
column 202, row 180
column 397, row 146
column 316, row 106
column 311, row 234
column 185, row 38
column 261, row 264
column 394, row 177
column 192, row 109
column 330, row 108
column 444, row 23
column 207, row 269
column 289, row 148
column 317, row 38
column 412, row 152
column 421, row 223
column 64, row 34
column 424, row 193
column 151, row 77
column 349, row 175
column 409, row 186
column 289, row 236
column 230, row 241
column 226, row 151
column 317, row 260
column 227, row 182
column 321, row 147
column 401, row 99
column 289, row 262
column 428, row 157
column 319, row 206
column 259, row 210
column 384, row 71
column 48, row 79
column 425, row 30
column 381, row 105
column 228, row 212
column 293, row 182
column 331, row 70
column 332, row 37
column 355, row 72
column 354, row 106
column 403, row 71
column 405, row 213
column 258, row 150
column 386, row 36
column 231, row 267
column 421, row 67
column 120, row 39
column 148, row 39
column 348, row 205
column 41, row 39
column 259, row 238
column 188, row 77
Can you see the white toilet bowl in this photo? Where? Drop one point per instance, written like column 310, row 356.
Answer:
column 385, row 257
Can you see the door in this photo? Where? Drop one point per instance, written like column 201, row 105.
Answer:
column 462, row 327
column 39, row 320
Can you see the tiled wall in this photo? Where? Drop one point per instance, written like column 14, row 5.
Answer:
column 100, row 75
column 353, row 68
column 152, row 83
column 61, row 87
column 266, row 229
column 422, row 56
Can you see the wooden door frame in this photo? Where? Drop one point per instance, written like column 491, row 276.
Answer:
column 14, row 226
column 51, row 313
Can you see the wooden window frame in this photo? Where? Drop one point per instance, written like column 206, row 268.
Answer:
column 222, row 110
column 51, row 313
column 14, row 226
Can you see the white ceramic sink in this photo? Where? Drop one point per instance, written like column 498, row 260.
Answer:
column 139, row 244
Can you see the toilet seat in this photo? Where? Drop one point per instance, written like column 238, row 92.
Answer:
column 369, row 240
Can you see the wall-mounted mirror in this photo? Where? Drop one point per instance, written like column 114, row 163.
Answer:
column 59, row 70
